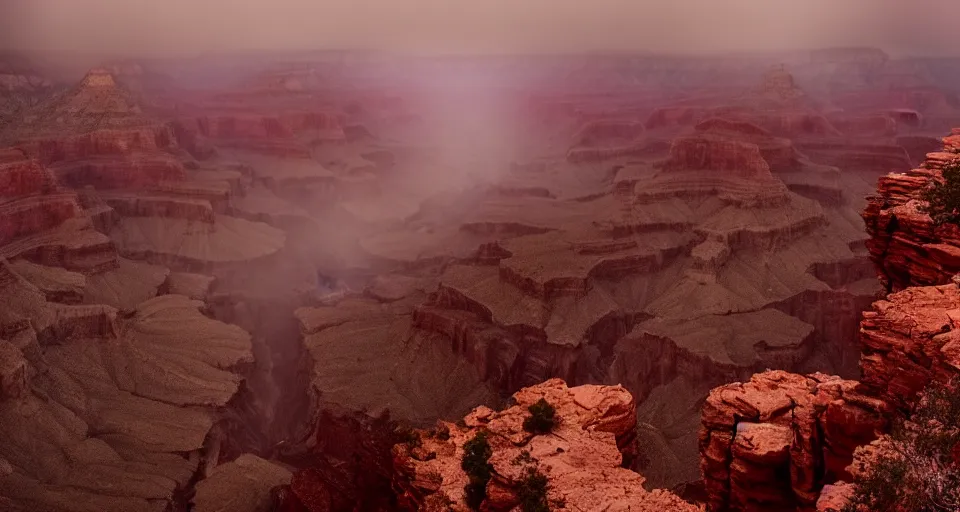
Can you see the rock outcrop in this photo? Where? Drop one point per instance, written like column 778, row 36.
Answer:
column 906, row 246
column 771, row 443
column 581, row 458
column 909, row 340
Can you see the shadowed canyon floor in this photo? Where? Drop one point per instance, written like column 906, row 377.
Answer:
column 238, row 285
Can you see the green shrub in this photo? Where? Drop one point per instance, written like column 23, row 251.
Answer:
column 542, row 418
column 943, row 196
column 475, row 463
column 920, row 472
column 532, row 491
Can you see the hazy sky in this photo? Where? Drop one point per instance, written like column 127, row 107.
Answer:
column 679, row 26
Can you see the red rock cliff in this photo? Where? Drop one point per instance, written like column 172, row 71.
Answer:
column 907, row 248
column 770, row 443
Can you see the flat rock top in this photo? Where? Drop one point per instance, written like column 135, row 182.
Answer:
column 52, row 279
column 242, row 485
column 575, row 254
column 229, row 239
column 737, row 339
column 131, row 283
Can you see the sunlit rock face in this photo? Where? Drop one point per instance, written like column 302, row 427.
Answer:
column 908, row 341
column 581, row 458
column 772, row 442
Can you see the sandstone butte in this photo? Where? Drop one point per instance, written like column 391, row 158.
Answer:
column 784, row 441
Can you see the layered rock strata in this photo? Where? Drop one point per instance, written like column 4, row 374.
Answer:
column 771, row 443
column 909, row 340
column 906, row 246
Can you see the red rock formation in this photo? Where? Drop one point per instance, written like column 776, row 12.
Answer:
column 31, row 203
column 778, row 152
column 31, row 215
column 716, row 153
column 905, row 245
column 771, row 443
column 132, row 170
column 20, row 176
column 249, row 132
column 580, row 457
column 70, row 146
column 908, row 340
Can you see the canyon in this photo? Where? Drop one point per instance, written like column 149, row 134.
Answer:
column 249, row 293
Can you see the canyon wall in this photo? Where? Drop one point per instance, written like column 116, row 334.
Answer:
column 785, row 441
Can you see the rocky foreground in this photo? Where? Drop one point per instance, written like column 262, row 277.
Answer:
column 582, row 458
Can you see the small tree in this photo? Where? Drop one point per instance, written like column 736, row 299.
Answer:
column 542, row 418
column 475, row 463
column 532, row 491
column 943, row 196
column 918, row 468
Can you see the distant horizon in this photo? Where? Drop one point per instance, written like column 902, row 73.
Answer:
column 178, row 28
column 625, row 52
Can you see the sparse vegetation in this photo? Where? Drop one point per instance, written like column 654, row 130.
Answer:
column 475, row 463
column 443, row 433
column 542, row 418
column 532, row 491
column 919, row 468
column 943, row 196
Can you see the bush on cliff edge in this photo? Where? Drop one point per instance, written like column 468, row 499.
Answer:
column 542, row 419
column 918, row 468
column 943, row 196
column 475, row 463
